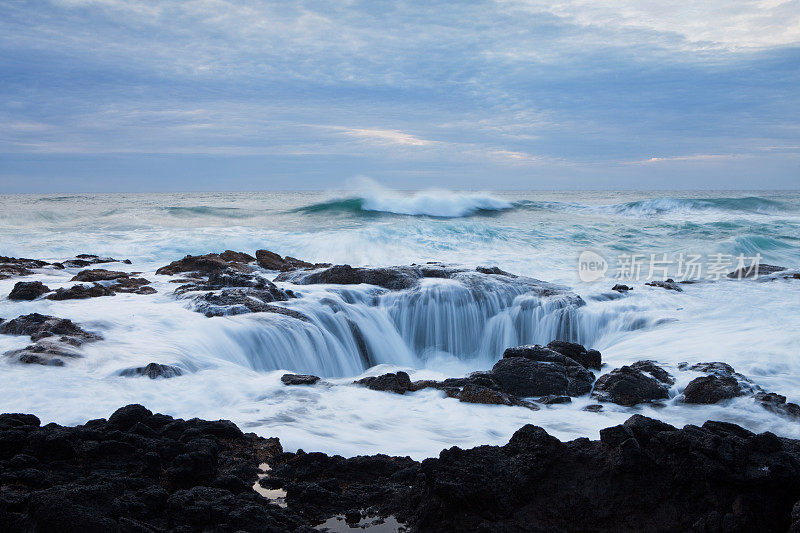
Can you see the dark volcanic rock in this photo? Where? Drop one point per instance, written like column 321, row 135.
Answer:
column 389, row 277
column 55, row 338
column 628, row 386
column 81, row 292
column 711, row 389
column 299, row 379
column 27, row 290
column 272, row 261
column 144, row 472
column 777, row 404
column 668, row 284
column 136, row 472
column 208, row 263
column 99, row 274
column 398, row 382
column 621, row 288
column 532, row 370
column 19, row 266
column 587, row 358
column 472, row 393
column 751, row 273
column 153, row 371
column 494, row 270
column 650, row 367
column 41, row 326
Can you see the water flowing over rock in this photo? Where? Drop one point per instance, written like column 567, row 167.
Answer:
column 28, row 290
column 668, row 284
column 630, row 386
column 299, row 379
column 753, row 272
column 153, row 371
column 54, row 339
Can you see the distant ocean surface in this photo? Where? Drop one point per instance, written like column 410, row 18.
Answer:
column 234, row 363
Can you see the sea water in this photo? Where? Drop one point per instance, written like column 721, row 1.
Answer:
column 233, row 364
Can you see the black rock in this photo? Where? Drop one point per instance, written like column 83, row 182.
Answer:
column 209, row 263
column 650, row 367
column 81, row 292
column 750, row 273
column 40, row 326
column 587, row 358
column 532, row 370
column 388, row 277
column 272, row 261
column 552, row 400
column 711, row 389
column 628, row 386
column 398, row 382
column 27, row 290
column 299, row 379
column 153, row 371
column 666, row 284
column 621, row 288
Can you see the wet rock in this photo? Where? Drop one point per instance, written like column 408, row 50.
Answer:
column 19, row 266
column 752, row 273
column 81, row 292
column 390, row 277
column 28, row 290
column 725, row 371
column 628, row 386
column 553, row 399
column 153, row 371
column 621, row 288
column 398, row 382
column 138, row 471
column 711, row 389
column 299, row 379
column 44, row 352
column 55, row 339
column 39, row 326
column 587, row 358
column 208, row 263
column 668, row 284
column 533, row 370
column 494, row 270
column 239, row 301
column 472, row 393
column 651, row 368
column 777, row 403
column 272, row 261
column 593, row 408
column 98, row 274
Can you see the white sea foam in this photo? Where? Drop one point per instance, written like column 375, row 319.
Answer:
column 233, row 364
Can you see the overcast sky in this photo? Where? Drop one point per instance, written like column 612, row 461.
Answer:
column 126, row 95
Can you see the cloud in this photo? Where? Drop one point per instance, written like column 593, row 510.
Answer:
column 501, row 86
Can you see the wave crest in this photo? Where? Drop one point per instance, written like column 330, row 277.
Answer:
column 372, row 197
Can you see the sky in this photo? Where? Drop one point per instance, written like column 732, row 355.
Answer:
column 198, row 95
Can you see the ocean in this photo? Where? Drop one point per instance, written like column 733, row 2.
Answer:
column 233, row 364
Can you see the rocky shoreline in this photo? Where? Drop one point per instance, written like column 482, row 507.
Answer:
column 144, row 472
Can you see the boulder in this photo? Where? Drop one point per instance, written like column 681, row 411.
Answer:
column 651, row 368
column 398, row 382
column 711, row 389
column 81, row 292
column 208, row 263
column 587, row 358
column 153, row 371
column 29, row 290
column 748, row 273
column 394, row 278
column 19, row 266
column 628, row 386
column 777, row 403
column 535, row 371
column 299, row 379
column 621, row 288
column 272, row 261
column 39, row 326
column 99, row 274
